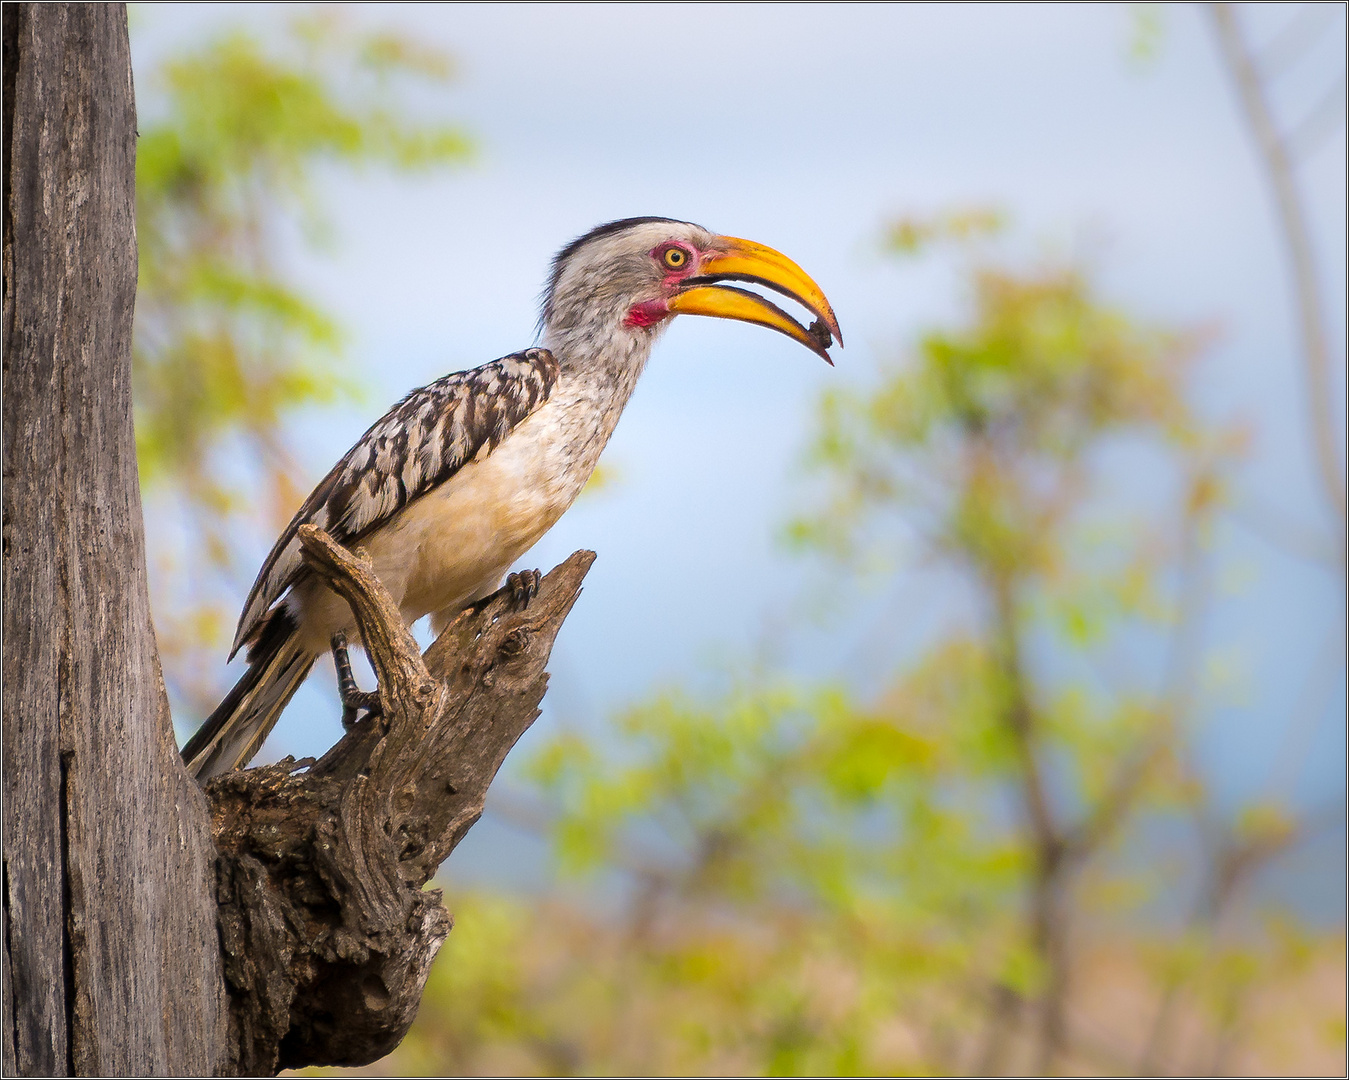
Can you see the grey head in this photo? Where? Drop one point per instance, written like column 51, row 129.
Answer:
column 612, row 290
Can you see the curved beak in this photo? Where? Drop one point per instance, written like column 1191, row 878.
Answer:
column 744, row 260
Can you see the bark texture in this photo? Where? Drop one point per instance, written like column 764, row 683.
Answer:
column 112, row 959
column 328, row 935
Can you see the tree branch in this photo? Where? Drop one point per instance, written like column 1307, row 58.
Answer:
column 1274, row 152
column 327, row 934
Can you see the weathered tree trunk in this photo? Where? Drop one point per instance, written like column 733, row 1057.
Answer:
column 112, row 955
column 327, row 932
column 147, row 932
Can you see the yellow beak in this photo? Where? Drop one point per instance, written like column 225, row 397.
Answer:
column 744, row 260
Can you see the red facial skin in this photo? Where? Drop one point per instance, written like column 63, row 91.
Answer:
column 646, row 314
column 649, row 312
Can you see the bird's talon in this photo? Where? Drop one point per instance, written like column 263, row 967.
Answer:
column 354, row 699
column 352, row 704
column 524, row 586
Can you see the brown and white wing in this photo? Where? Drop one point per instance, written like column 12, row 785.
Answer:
column 418, row 445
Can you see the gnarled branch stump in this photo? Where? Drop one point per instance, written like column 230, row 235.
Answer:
column 327, row 934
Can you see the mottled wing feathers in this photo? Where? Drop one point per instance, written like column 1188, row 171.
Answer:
column 418, row 445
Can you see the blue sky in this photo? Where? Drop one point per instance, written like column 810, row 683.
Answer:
column 807, row 128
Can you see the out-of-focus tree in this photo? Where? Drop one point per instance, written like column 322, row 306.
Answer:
column 796, row 881
column 989, row 445
column 228, row 348
column 1236, row 847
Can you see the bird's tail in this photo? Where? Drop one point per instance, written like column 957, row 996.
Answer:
column 231, row 735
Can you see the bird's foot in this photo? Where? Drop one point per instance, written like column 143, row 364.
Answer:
column 354, row 699
column 352, row 704
column 524, row 586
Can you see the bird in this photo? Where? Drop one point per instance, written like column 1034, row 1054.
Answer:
column 459, row 479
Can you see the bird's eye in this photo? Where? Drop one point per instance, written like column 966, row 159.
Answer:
column 676, row 258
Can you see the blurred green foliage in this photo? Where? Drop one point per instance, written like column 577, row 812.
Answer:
column 233, row 135
column 786, row 879
column 790, row 880
column 913, row 235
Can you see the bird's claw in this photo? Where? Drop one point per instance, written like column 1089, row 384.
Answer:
column 354, row 699
column 524, row 586
column 352, row 704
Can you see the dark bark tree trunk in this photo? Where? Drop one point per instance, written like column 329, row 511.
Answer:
column 149, row 930
column 112, row 960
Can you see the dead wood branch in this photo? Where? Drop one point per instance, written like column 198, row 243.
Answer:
column 327, row 933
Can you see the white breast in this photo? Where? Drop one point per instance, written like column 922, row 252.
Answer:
column 454, row 544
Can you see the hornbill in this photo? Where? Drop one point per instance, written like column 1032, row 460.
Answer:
column 463, row 476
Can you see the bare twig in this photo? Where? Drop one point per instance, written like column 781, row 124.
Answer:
column 1277, row 159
